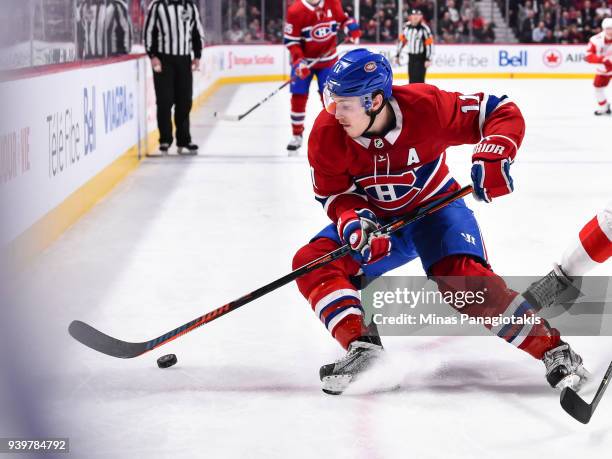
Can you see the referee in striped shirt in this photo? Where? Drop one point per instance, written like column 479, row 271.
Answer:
column 173, row 31
column 104, row 28
column 419, row 40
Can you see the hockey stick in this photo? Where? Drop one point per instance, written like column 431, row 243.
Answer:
column 101, row 342
column 226, row 117
column 576, row 407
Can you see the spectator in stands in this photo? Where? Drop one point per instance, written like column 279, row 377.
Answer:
column 447, row 29
column 235, row 34
column 523, row 14
column 549, row 9
column 588, row 15
column 604, row 9
column 255, row 30
column 539, row 33
column 367, row 10
column 387, row 31
column 565, row 20
column 550, row 37
column 574, row 35
column 488, row 34
column 549, row 21
column 452, row 10
column 527, row 27
column 426, row 6
column 564, row 37
column 274, row 30
column 478, row 25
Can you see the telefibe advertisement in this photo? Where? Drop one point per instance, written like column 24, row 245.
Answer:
column 64, row 129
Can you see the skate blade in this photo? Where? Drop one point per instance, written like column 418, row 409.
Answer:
column 576, row 382
column 335, row 384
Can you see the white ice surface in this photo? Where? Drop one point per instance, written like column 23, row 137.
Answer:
column 181, row 236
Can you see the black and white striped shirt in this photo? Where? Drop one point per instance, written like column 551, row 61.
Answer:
column 418, row 39
column 104, row 28
column 173, row 27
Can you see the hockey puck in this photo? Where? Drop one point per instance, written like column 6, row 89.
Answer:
column 166, row 361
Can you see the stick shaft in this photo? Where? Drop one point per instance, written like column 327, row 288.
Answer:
column 315, row 264
column 114, row 347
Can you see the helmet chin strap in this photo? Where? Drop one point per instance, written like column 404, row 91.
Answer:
column 374, row 113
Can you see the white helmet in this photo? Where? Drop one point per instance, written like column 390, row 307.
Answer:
column 606, row 23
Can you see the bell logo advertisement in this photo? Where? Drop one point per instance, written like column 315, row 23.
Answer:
column 89, row 119
column 513, row 58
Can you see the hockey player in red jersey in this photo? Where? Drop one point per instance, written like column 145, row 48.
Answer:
column 378, row 151
column 310, row 33
column 599, row 51
column 590, row 247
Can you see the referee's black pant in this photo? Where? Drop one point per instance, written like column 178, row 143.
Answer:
column 174, row 87
column 416, row 68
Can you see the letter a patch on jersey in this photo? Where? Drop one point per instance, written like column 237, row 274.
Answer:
column 413, row 157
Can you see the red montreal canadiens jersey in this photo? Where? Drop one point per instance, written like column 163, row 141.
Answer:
column 310, row 31
column 406, row 168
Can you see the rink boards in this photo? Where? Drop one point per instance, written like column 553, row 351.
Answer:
column 74, row 132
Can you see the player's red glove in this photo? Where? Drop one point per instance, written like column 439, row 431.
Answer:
column 352, row 29
column 608, row 63
column 302, row 70
column 491, row 167
column 355, row 227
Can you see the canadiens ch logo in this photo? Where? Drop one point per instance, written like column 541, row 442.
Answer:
column 378, row 143
column 370, row 67
column 321, row 32
column 390, row 192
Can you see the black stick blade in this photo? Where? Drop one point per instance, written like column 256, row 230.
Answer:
column 101, row 342
column 575, row 406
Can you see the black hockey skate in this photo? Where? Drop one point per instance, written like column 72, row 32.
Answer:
column 161, row 151
column 555, row 287
column 604, row 111
column 362, row 353
column 564, row 368
column 187, row 150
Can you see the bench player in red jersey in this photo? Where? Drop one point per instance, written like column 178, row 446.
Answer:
column 311, row 29
column 378, row 151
